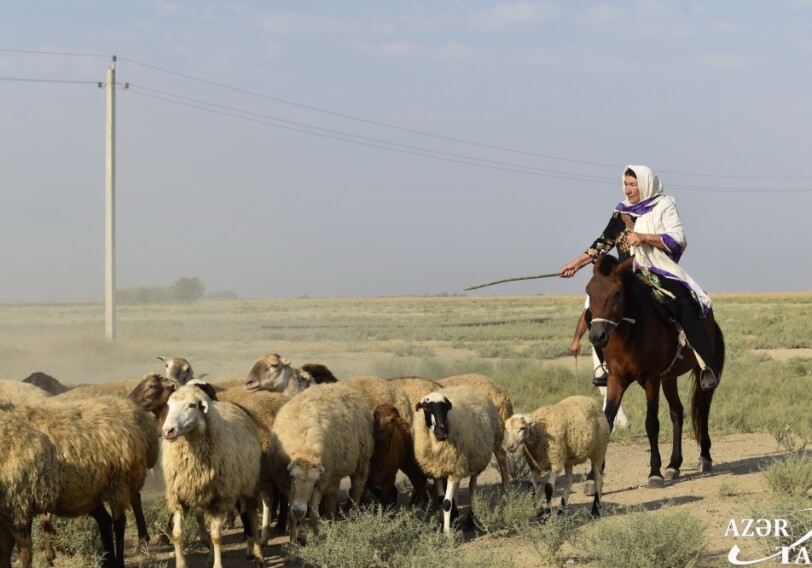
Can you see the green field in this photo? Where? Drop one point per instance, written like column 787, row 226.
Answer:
column 521, row 342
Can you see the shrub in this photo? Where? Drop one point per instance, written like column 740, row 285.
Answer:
column 790, row 476
column 669, row 538
column 373, row 537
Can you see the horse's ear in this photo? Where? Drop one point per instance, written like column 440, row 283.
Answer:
column 625, row 266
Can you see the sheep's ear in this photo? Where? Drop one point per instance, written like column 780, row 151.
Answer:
column 161, row 358
column 321, row 469
column 284, row 361
column 419, row 406
column 186, row 367
column 449, row 404
column 204, row 406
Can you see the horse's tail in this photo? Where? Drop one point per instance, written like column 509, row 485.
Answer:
column 702, row 398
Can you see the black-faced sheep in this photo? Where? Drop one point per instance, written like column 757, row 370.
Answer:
column 321, row 436
column 47, row 383
column 559, row 436
column 104, row 448
column 500, row 399
column 262, row 407
column 28, row 483
column 178, row 369
column 394, row 450
column 274, row 373
column 458, row 433
column 211, row 461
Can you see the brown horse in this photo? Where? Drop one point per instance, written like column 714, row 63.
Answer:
column 639, row 345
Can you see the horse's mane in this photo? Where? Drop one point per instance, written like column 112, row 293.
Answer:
column 605, row 264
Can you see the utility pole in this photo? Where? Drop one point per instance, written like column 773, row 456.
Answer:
column 110, row 208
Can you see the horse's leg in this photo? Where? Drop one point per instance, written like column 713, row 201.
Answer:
column 611, row 404
column 655, row 478
column 700, row 411
column 677, row 416
column 621, row 419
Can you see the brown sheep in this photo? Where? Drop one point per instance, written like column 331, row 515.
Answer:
column 319, row 373
column 394, row 450
column 47, row 383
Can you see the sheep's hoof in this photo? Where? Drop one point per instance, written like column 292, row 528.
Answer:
column 671, row 473
column 705, row 465
column 543, row 514
column 589, row 487
column 656, row 482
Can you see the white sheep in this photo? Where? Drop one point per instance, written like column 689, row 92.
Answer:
column 211, row 461
column 274, row 373
column 28, row 483
column 559, row 436
column 178, row 369
column 415, row 387
column 455, row 438
column 379, row 391
column 262, row 407
column 104, row 448
column 21, row 393
column 500, row 399
column 319, row 437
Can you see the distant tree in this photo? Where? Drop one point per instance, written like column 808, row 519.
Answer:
column 188, row 290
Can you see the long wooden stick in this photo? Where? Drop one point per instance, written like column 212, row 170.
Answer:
column 510, row 280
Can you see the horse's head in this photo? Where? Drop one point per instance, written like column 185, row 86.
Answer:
column 607, row 298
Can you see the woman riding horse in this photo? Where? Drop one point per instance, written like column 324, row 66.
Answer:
column 647, row 226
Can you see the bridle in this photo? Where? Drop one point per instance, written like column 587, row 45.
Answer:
column 612, row 322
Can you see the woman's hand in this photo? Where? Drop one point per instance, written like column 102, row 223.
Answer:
column 569, row 269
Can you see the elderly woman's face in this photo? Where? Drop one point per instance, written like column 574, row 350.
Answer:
column 631, row 189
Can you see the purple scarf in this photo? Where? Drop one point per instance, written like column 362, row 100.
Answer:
column 639, row 208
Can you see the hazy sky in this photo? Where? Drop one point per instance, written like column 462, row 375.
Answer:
column 281, row 149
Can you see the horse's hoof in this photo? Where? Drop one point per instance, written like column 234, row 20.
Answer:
column 656, row 482
column 705, row 465
column 671, row 473
column 589, row 487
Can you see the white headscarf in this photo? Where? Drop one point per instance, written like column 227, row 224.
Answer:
column 651, row 188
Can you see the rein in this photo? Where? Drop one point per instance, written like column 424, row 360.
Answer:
column 614, row 323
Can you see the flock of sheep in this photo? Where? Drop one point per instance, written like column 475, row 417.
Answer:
column 284, row 438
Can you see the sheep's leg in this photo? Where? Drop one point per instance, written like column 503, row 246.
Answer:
column 596, row 501
column 565, row 497
column 549, row 488
column 501, row 459
column 119, row 525
column 140, row 523
column 7, row 547
column 105, row 522
column 203, row 530
column 47, row 533
column 470, row 520
column 358, row 482
column 249, row 519
column 267, row 503
column 448, row 503
column 536, row 479
column 215, row 555
column 177, row 538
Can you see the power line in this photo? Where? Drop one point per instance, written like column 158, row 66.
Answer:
column 35, row 80
column 432, row 134
column 259, row 118
column 65, row 53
